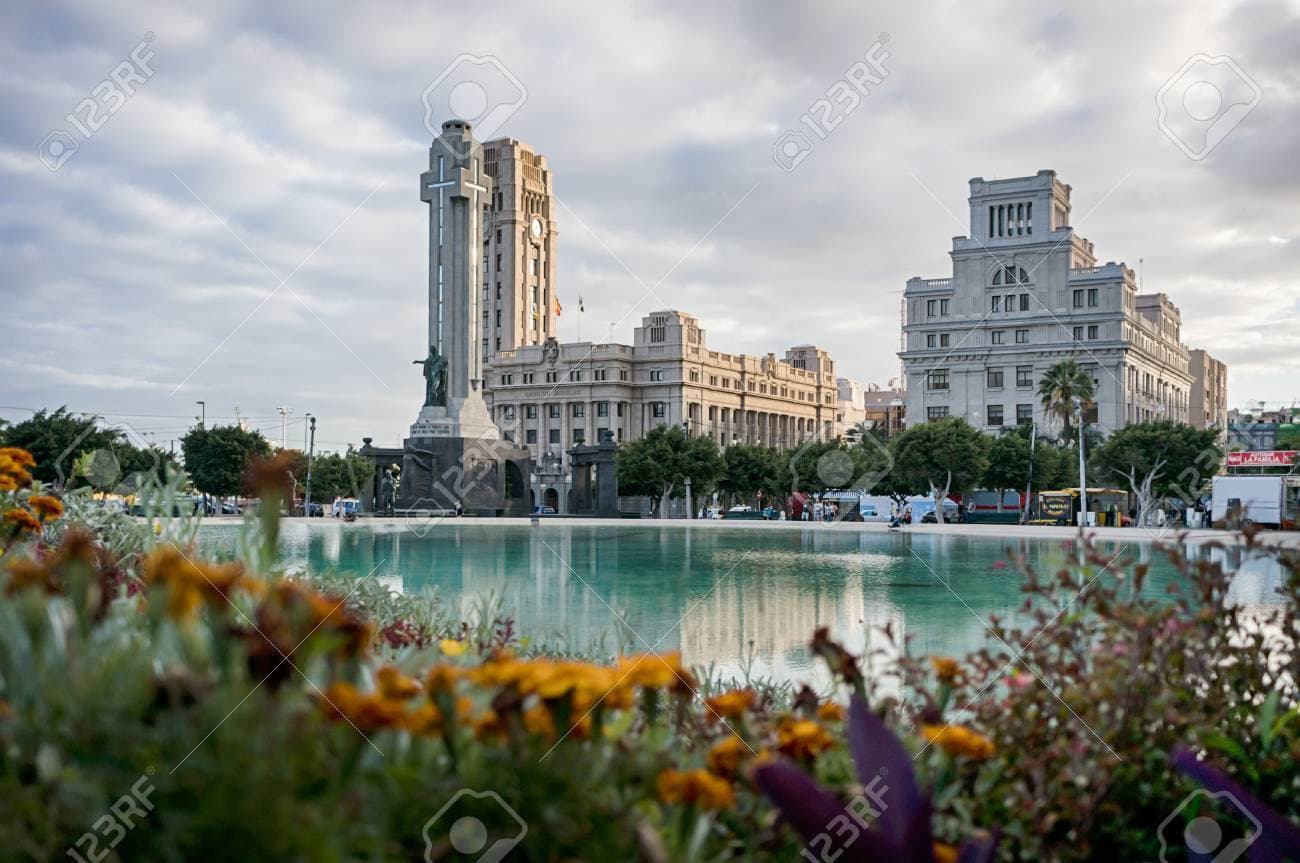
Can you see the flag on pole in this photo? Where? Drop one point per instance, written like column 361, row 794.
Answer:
column 580, row 308
column 559, row 309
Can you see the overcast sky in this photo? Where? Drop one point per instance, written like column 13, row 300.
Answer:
column 267, row 140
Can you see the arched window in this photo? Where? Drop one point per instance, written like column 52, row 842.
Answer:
column 997, row 276
column 1024, row 277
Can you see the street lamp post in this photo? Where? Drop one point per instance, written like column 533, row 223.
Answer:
column 1083, row 483
column 284, row 426
column 203, row 413
column 311, row 449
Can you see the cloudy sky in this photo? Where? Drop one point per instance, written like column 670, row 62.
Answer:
column 246, row 229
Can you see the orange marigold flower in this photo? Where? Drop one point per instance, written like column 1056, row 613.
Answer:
column 830, row 711
column 490, row 725
column 695, row 787
column 24, row 572
column 948, row 670
column 538, row 720
column 13, row 468
column 730, row 705
column 367, row 712
column 48, row 507
column 18, row 456
column 802, row 739
column 394, row 684
column 22, row 519
column 425, row 719
column 189, row 582
column 441, row 678
column 726, row 756
column 945, row 853
column 959, row 740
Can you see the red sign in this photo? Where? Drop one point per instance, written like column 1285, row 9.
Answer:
column 1263, row 458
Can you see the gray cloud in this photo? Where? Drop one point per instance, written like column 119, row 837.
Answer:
column 657, row 119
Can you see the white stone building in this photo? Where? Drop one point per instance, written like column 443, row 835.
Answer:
column 1025, row 293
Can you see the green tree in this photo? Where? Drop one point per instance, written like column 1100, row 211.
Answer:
column 1008, row 464
column 750, row 471
column 1060, row 386
column 74, row 449
column 664, row 458
column 334, row 475
column 1160, row 459
column 945, row 455
column 217, row 458
column 1288, row 438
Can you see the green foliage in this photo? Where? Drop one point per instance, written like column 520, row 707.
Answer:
column 748, row 471
column 217, row 458
column 1288, row 439
column 1179, row 459
column 334, row 475
column 1059, row 387
column 663, row 459
column 61, row 442
column 1008, row 463
column 946, row 455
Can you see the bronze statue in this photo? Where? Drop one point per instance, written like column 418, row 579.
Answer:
column 388, row 493
column 435, row 378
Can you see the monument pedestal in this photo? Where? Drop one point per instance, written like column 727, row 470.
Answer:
column 456, row 455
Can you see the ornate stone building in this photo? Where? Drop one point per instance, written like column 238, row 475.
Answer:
column 519, row 301
column 549, row 397
column 1026, row 292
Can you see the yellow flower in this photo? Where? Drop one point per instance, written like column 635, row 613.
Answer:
column 730, row 705
column 441, row 678
column 394, row 684
column 13, row 468
column 451, row 647
column 22, row 519
column 945, row 853
column 947, row 670
column 490, row 724
column 46, row 506
column 695, row 787
column 658, row 671
column 726, row 756
column 959, row 740
column 190, row 582
column 830, row 712
column 802, row 739
column 537, row 720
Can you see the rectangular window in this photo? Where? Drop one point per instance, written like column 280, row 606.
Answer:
column 602, row 409
column 1024, row 302
column 508, row 411
column 999, row 337
column 507, row 380
column 1024, row 414
column 530, row 412
column 931, row 308
column 995, row 415
column 995, row 379
column 622, row 374
column 530, row 436
column 1024, row 376
column 936, row 413
column 995, row 303
column 498, row 263
column 1022, row 337
column 656, row 374
column 658, row 409
column 1009, row 304
column 1092, row 298
column 601, row 374
column 931, row 340
column 553, row 436
column 532, row 266
column 498, row 317
column 1092, row 331
column 943, row 340
column 943, row 307
column 620, row 409
column 1077, row 333
column 553, row 411
column 579, row 409
column 529, row 377
column 575, row 375
column 579, row 436
column 552, row 377
column 937, row 380
column 1078, row 298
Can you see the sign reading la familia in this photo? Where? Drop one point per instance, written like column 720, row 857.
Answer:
column 1263, row 458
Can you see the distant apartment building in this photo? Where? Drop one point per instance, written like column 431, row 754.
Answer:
column 551, row 396
column 850, row 412
column 1209, row 402
column 1026, row 292
column 885, row 410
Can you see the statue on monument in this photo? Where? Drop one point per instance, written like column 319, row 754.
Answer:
column 388, row 493
column 435, row 378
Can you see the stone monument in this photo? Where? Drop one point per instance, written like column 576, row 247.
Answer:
column 455, row 454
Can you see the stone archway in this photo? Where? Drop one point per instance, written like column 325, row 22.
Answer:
column 551, row 498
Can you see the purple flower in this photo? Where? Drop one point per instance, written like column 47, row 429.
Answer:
column 901, row 828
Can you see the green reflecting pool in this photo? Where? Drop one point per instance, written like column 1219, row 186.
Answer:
column 719, row 595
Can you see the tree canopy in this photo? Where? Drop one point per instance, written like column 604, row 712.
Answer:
column 944, row 455
column 665, row 457
column 74, row 449
column 217, row 458
column 1160, row 459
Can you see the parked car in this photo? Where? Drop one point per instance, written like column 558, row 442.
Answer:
column 315, row 510
column 749, row 513
column 544, row 510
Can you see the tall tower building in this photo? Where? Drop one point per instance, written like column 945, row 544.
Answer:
column 518, row 288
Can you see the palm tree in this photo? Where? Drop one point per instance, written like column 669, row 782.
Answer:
column 1059, row 387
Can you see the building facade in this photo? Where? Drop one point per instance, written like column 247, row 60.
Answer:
column 519, row 300
column 1026, row 292
column 885, row 410
column 549, row 397
column 1209, row 402
column 850, row 413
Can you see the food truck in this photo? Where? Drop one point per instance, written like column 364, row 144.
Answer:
column 1107, row 507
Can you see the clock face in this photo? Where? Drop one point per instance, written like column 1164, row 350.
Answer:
column 537, row 227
